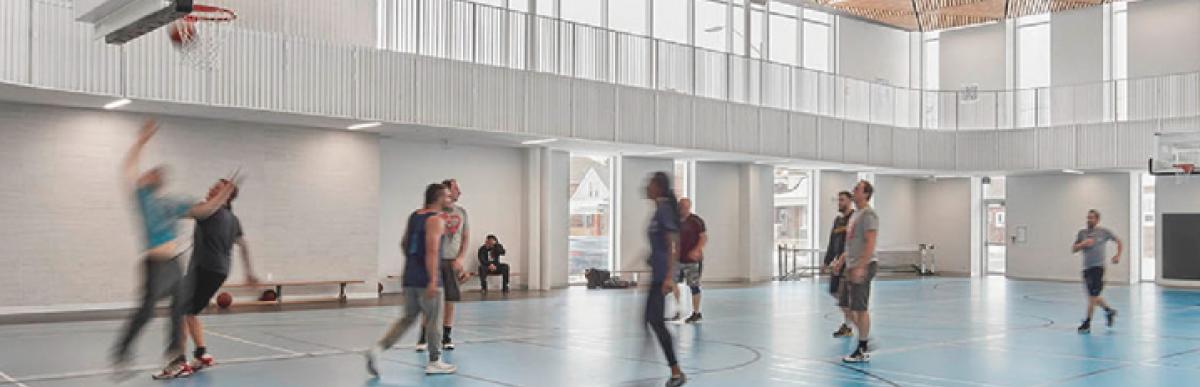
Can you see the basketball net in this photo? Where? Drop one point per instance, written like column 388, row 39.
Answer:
column 201, row 33
column 1186, row 170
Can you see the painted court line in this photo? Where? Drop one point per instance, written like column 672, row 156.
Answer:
column 261, row 345
column 9, row 379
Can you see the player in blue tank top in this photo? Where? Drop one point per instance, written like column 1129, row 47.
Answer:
column 421, row 245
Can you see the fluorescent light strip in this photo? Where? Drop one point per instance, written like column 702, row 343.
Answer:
column 364, row 125
column 539, row 142
column 118, row 103
column 1073, row 171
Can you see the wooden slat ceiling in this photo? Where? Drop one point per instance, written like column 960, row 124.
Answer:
column 933, row 15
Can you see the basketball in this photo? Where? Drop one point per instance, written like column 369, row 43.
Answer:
column 224, row 300
column 182, row 33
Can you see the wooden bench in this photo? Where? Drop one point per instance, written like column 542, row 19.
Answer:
column 278, row 285
column 469, row 275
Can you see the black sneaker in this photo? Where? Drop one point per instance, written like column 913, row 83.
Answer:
column 1111, row 316
column 675, row 318
column 447, row 344
column 859, row 356
column 677, row 380
column 694, row 318
column 843, row 331
column 1086, row 327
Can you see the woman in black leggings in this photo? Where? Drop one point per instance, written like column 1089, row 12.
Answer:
column 664, row 251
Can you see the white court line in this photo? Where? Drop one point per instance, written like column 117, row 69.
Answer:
column 10, row 379
column 261, row 345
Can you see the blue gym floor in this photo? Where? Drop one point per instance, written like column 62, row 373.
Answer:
column 930, row 332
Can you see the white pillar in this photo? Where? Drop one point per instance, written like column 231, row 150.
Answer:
column 533, row 217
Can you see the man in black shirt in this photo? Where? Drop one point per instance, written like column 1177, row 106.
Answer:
column 837, row 245
column 213, row 242
column 489, row 262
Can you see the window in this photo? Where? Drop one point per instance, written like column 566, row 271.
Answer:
column 710, row 25
column 816, row 45
column 627, row 16
column 670, row 20
column 681, row 179
column 1032, row 70
column 1148, row 269
column 931, row 79
column 793, row 219
column 583, row 11
column 782, row 46
column 1120, row 57
column 590, row 212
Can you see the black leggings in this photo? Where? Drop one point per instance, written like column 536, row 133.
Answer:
column 655, row 309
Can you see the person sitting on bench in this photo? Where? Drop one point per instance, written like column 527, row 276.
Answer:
column 489, row 262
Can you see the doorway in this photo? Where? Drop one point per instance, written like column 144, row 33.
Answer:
column 995, row 244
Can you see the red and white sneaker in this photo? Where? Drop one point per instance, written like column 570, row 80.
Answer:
column 177, row 369
column 202, row 362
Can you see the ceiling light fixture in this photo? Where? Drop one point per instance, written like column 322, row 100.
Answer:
column 118, row 103
column 364, row 125
column 1073, row 171
column 539, row 142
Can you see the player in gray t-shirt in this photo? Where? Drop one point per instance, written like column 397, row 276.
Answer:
column 861, row 263
column 1092, row 241
column 454, row 248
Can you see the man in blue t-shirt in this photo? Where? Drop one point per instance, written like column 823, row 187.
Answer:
column 162, row 272
column 1091, row 241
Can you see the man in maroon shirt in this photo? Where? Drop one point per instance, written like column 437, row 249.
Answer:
column 692, row 238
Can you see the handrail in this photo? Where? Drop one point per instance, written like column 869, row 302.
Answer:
column 838, row 75
column 528, row 41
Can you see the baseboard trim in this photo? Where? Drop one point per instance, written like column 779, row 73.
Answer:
column 110, row 306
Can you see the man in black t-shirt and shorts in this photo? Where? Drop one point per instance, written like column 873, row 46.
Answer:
column 837, row 245
column 213, row 241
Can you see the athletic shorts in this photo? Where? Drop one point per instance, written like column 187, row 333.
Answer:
column 203, row 284
column 690, row 273
column 858, row 295
column 449, row 281
column 1093, row 280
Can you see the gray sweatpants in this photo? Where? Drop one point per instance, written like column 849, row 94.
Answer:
column 416, row 303
column 162, row 279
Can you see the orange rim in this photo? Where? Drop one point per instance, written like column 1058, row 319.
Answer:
column 210, row 13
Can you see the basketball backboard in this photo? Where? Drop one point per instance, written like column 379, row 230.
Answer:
column 1175, row 153
column 119, row 21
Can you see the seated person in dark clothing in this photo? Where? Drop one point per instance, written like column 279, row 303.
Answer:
column 489, row 262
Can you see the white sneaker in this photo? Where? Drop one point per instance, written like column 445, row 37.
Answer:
column 422, row 347
column 440, row 367
column 372, row 356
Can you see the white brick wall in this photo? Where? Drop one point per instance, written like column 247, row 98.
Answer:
column 68, row 235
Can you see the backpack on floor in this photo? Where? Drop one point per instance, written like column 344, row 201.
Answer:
column 596, row 277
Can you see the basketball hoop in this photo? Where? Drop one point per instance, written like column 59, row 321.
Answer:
column 198, row 35
column 1186, row 170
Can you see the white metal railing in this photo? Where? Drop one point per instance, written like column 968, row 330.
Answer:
column 484, row 34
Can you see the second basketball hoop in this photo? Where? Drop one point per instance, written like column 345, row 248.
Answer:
column 199, row 35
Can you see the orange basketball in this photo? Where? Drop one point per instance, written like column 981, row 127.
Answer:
column 182, row 32
column 224, row 300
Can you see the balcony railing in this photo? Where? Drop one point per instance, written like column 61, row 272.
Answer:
column 483, row 34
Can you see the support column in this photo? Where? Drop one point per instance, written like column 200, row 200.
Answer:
column 533, row 217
